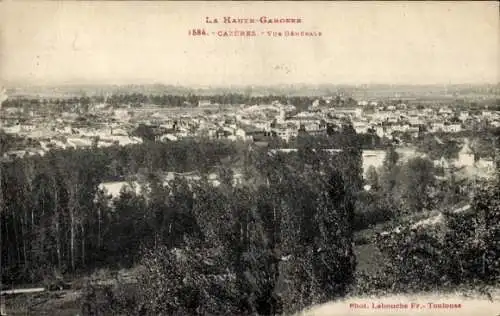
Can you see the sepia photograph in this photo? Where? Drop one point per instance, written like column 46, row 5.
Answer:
column 247, row 158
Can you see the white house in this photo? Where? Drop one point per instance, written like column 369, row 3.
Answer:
column 27, row 127
column 488, row 164
column 121, row 114
column 463, row 116
column 379, row 130
column 415, row 120
column 437, row 126
column 452, row 128
column 445, row 110
column 400, row 127
column 240, row 133
column 168, row 137
column 118, row 131
column 442, row 163
column 465, row 156
column 360, row 127
column 495, row 124
column 77, row 142
column 15, row 129
column 204, row 103
column 286, row 133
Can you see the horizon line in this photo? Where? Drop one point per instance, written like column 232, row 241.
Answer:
column 10, row 85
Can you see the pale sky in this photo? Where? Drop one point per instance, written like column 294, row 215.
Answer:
column 130, row 42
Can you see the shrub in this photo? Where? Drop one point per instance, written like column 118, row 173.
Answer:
column 178, row 282
column 463, row 248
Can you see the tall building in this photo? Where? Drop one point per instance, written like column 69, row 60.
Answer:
column 3, row 96
column 281, row 117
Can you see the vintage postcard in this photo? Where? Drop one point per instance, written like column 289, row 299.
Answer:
column 249, row 158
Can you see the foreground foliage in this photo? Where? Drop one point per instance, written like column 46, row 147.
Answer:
column 459, row 247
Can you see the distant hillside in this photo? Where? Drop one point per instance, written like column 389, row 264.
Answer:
column 356, row 91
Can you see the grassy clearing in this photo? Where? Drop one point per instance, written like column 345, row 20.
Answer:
column 369, row 257
column 63, row 303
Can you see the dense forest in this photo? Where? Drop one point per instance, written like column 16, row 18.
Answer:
column 58, row 192
column 54, row 218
